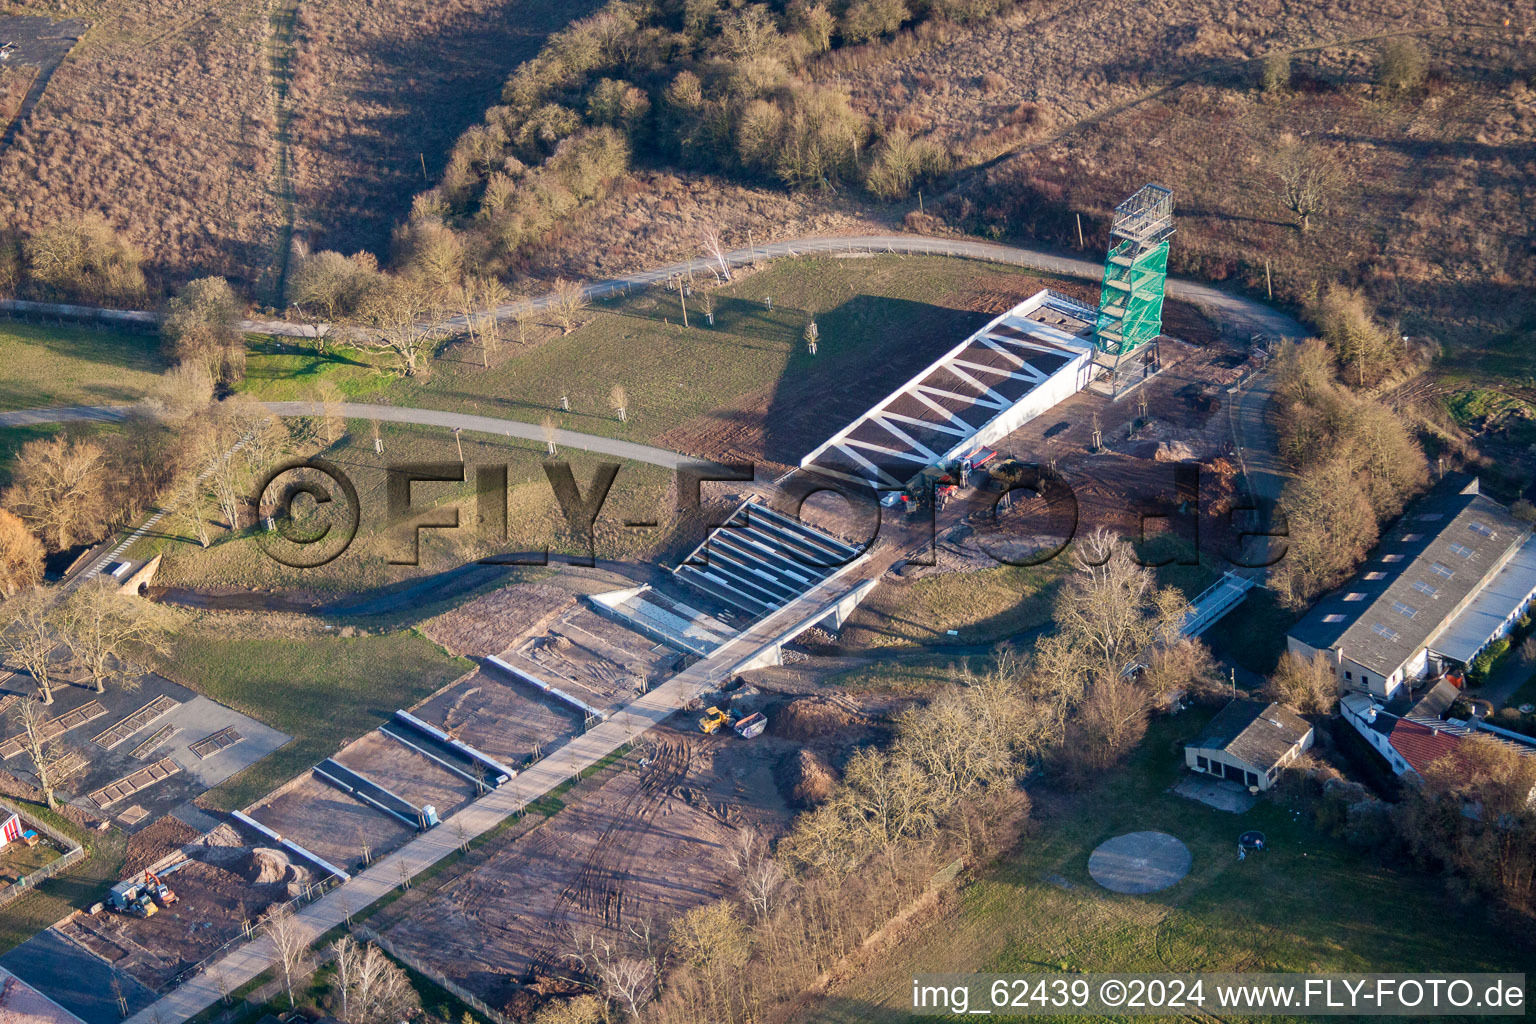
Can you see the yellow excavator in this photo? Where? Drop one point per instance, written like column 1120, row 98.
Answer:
column 713, row 719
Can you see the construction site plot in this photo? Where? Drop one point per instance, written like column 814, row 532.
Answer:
column 650, row 841
column 410, row 775
column 594, row 658
column 224, row 882
column 331, row 824
column 509, row 722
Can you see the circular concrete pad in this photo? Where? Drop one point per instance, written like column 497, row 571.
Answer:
column 1139, row 862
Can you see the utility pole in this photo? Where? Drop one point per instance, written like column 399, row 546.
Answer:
column 1080, row 244
column 459, row 441
column 1268, row 285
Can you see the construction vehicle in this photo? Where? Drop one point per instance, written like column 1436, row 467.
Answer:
column 162, row 894
column 132, row 898
column 713, row 719
column 752, row 725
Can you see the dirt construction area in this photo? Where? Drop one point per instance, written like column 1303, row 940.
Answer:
column 647, row 841
column 225, row 882
column 511, row 723
column 594, row 659
column 331, row 824
column 408, row 774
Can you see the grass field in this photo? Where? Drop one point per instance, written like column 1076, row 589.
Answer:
column 982, row 605
column 49, row 366
column 75, row 889
column 1310, row 903
column 875, row 315
column 639, row 492
column 322, row 690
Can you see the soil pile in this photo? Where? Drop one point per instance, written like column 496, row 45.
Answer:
column 1173, row 451
column 154, row 841
column 265, row 866
column 808, row 718
column 805, row 779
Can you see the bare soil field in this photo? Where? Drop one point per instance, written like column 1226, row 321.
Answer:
column 495, row 716
column 331, row 824
column 493, row 622
column 594, row 658
column 162, row 120
column 407, row 774
column 227, row 882
column 647, row 845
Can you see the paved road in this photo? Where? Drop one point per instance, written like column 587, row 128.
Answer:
column 491, row 425
column 1240, row 313
column 562, row 764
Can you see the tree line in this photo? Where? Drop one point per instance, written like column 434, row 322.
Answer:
column 1356, row 463
column 946, row 786
column 701, row 84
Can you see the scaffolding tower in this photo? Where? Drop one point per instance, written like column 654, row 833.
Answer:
column 1131, row 300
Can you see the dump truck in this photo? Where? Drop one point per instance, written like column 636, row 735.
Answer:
column 713, row 719
column 752, row 725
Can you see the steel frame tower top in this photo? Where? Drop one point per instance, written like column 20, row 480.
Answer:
column 1135, row 272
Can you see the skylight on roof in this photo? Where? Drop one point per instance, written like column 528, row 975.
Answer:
column 1413, row 536
column 1354, row 596
column 1427, row 588
column 1430, row 517
column 1440, row 569
column 1386, row 632
column 1335, row 617
column 1391, row 558
column 1461, row 551
column 1407, row 610
column 1482, row 528
column 1376, row 575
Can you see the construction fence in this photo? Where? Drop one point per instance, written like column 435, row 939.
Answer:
column 74, row 853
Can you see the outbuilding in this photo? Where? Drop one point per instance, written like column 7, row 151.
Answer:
column 1249, row 742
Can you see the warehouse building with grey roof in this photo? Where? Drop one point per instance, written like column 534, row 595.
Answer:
column 1453, row 575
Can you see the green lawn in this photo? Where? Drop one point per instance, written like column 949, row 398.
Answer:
column 49, row 366
column 322, row 690
column 1310, row 903
column 870, row 311
column 639, row 493
column 983, row 606
column 75, row 889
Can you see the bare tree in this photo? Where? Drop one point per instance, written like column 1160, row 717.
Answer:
column 44, row 764
column 105, row 629
column 29, row 636
column 183, row 391
column 489, row 296
column 60, row 491
column 715, row 250
column 568, row 301
column 290, row 941
column 622, row 977
column 618, row 400
column 1307, row 684
column 760, row 877
column 1304, row 178
column 397, row 319
column 372, row 989
column 21, row 556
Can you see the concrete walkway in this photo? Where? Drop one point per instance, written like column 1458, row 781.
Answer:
column 1241, row 314
column 484, row 814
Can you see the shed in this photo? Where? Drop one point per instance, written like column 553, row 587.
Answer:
column 1249, row 742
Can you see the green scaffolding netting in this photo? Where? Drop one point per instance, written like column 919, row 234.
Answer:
column 1131, row 299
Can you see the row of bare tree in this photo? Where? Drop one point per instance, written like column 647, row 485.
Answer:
column 945, row 787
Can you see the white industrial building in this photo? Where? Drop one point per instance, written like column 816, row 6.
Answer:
column 1024, row 362
column 1453, row 575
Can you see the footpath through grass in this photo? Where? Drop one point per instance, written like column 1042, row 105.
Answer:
column 1309, row 903
column 321, row 690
